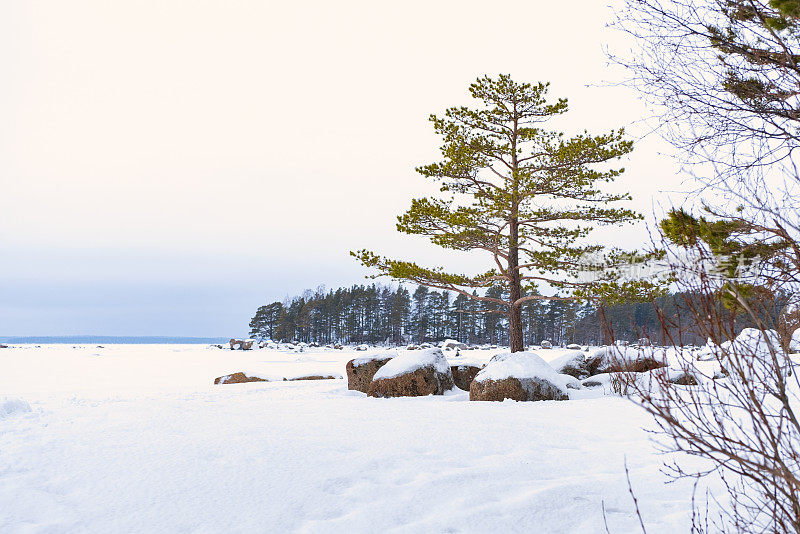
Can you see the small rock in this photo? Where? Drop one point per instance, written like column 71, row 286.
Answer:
column 238, row 378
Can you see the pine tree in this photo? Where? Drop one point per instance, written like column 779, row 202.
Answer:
column 265, row 321
column 522, row 194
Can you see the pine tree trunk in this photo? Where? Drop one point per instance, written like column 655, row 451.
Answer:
column 515, row 338
column 515, row 330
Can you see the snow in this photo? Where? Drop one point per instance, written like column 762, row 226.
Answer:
column 574, row 358
column 361, row 360
column 794, row 344
column 410, row 361
column 138, row 439
column 10, row 406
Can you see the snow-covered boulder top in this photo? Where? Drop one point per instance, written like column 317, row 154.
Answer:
column 409, row 362
column 363, row 360
column 519, row 365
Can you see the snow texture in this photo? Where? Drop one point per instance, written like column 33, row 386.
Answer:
column 794, row 344
column 574, row 358
column 10, row 406
column 133, row 438
column 413, row 360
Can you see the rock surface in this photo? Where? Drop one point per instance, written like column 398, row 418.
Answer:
column 463, row 375
column 518, row 389
column 361, row 370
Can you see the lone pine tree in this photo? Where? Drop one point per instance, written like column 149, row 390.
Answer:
column 524, row 195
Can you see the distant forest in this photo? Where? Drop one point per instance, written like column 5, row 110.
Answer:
column 377, row 314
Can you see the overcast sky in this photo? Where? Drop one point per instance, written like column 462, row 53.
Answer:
column 168, row 166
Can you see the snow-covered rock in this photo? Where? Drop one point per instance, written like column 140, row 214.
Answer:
column 571, row 363
column 450, row 344
column 546, row 344
column 237, row 378
column 620, row 358
column 521, row 376
column 574, row 346
column 360, row 371
column 413, row 374
column 362, row 348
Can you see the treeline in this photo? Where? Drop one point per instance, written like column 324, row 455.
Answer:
column 378, row 313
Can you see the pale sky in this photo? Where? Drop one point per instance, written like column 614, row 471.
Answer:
column 168, row 166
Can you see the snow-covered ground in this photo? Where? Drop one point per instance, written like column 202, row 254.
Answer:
column 136, row 438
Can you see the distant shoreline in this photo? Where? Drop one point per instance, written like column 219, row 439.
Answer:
column 112, row 340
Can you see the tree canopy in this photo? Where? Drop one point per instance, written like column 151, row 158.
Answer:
column 526, row 196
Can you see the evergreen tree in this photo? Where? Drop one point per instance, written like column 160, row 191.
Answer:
column 265, row 320
column 522, row 194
